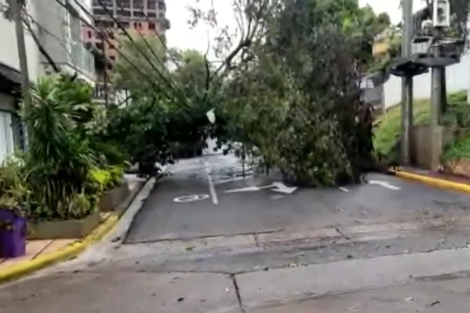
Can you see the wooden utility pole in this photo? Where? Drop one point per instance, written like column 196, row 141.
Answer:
column 16, row 8
column 407, row 84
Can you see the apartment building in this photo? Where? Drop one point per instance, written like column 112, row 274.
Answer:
column 56, row 25
column 59, row 29
column 145, row 16
column 10, row 80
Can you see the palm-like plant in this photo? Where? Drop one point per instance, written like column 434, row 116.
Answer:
column 59, row 157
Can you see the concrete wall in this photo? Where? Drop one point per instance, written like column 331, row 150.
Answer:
column 421, row 154
column 457, row 75
column 9, row 50
column 51, row 16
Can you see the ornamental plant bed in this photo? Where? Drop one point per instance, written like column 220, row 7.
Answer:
column 111, row 199
column 68, row 229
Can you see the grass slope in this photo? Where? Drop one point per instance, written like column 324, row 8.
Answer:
column 387, row 127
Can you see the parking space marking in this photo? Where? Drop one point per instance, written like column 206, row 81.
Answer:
column 215, row 200
column 190, row 198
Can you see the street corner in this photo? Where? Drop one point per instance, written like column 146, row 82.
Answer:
column 53, row 252
column 41, row 254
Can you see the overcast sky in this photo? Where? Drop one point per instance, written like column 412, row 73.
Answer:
column 182, row 37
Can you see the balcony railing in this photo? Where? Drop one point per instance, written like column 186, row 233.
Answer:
column 81, row 58
column 115, row 96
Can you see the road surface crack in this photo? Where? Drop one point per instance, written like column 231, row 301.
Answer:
column 342, row 234
column 237, row 292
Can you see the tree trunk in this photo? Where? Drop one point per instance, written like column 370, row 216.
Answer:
column 443, row 90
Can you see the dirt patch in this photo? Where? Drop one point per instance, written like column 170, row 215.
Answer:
column 460, row 167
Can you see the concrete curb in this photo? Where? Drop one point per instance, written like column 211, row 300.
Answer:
column 66, row 253
column 442, row 183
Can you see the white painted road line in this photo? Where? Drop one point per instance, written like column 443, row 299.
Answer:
column 343, row 189
column 384, row 184
column 215, row 200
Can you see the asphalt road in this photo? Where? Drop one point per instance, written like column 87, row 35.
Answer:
column 201, row 245
column 220, row 213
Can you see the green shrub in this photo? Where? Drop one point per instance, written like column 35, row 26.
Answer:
column 59, row 157
column 116, row 174
column 101, row 178
column 13, row 187
column 458, row 150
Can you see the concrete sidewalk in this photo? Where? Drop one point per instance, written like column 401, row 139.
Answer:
column 429, row 296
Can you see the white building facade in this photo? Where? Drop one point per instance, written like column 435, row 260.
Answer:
column 57, row 26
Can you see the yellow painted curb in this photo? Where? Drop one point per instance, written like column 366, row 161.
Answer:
column 442, row 183
column 68, row 252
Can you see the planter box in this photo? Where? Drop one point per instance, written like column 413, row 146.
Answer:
column 12, row 234
column 111, row 199
column 70, row 229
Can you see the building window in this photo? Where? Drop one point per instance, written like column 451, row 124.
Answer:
column 89, row 33
column 139, row 13
column 7, row 144
column 161, row 5
column 151, row 4
column 152, row 14
column 138, row 4
column 99, row 46
column 113, row 58
column 99, row 12
column 104, row 24
column 152, row 26
column 161, row 15
column 123, row 4
column 123, row 13
column 111, row 46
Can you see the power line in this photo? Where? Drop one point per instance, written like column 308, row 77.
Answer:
column 154, row 86
column 164, row 79
column 146, row 42
column 165, row 48
column 162, row 41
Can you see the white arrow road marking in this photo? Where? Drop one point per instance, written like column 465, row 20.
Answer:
column 280, row 187
column 344, row 189
column 251, row 188
column 384, row 184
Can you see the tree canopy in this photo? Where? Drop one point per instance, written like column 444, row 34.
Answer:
column 286, row 87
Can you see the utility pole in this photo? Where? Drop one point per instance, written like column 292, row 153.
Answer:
column 16, row 7
column 407, row 84
column 441, row 20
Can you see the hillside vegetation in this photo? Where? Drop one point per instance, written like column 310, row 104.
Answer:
column 387, row 127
